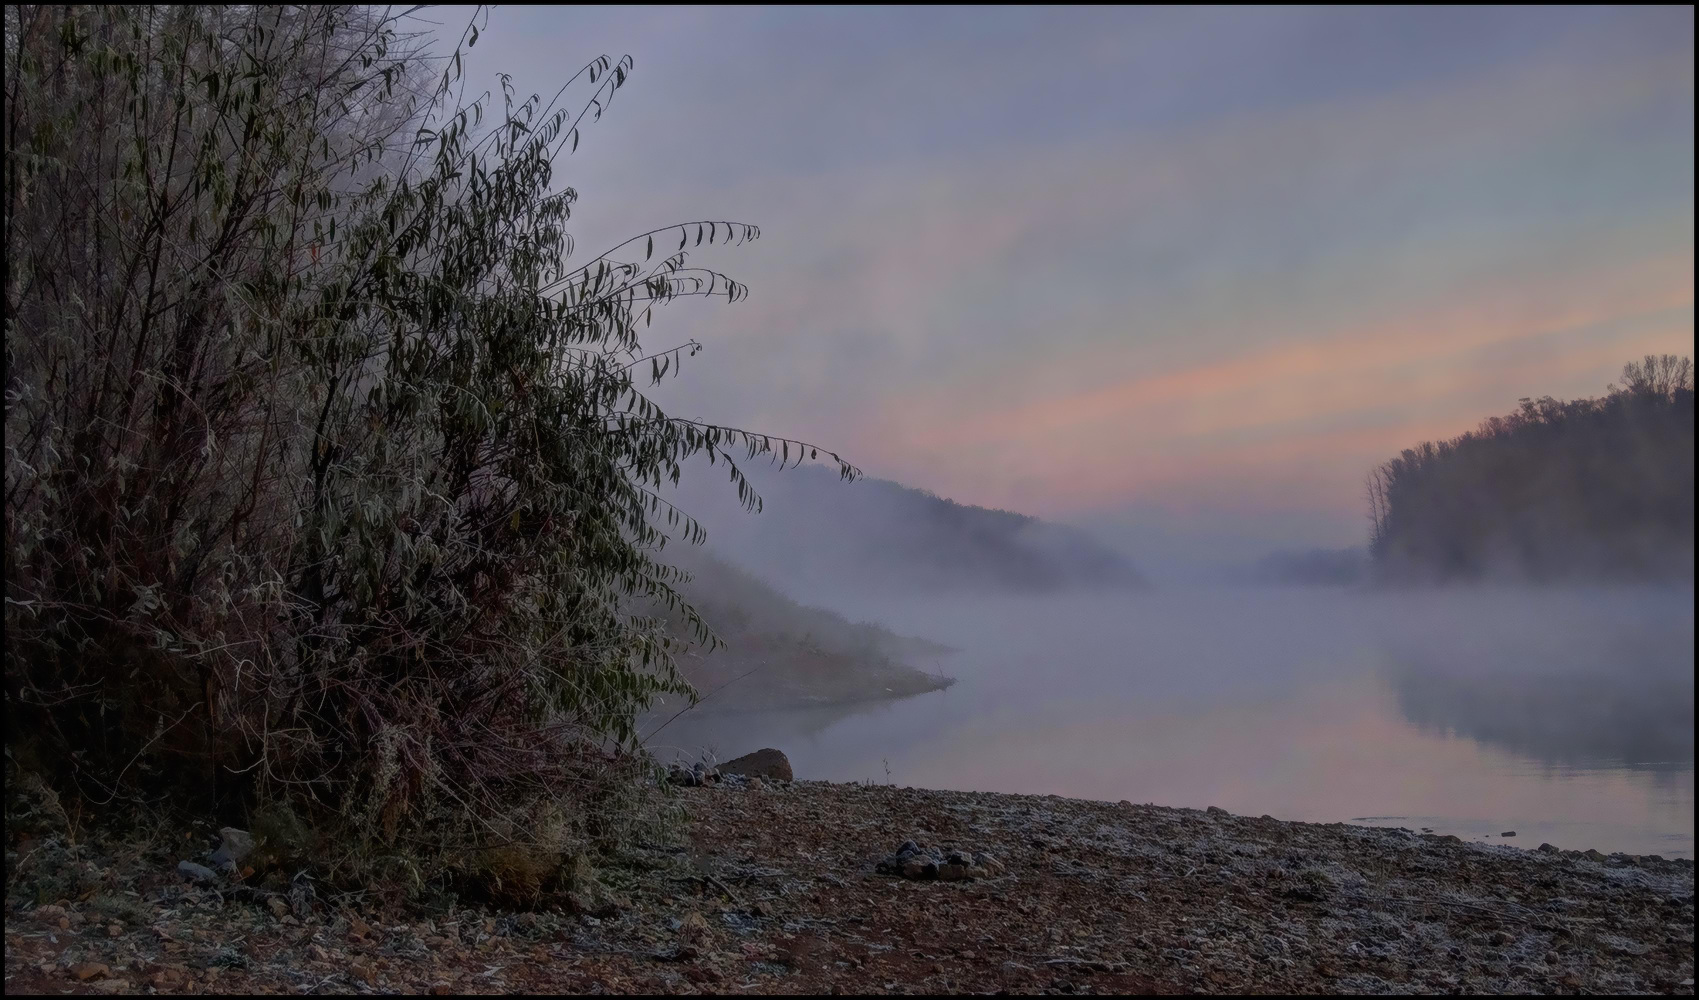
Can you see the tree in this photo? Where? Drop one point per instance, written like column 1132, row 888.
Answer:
column 328, row 475
column 1587, row 487
column 1658, row 375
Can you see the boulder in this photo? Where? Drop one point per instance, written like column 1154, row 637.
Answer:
column 237, row 845
column 769, row 763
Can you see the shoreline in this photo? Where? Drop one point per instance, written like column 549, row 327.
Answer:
column 940, row 683
column 775, row 887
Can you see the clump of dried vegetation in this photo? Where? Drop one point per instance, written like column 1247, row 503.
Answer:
column 331, row 483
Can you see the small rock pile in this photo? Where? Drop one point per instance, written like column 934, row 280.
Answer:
column 695, row 776
column 236, row 846
column 748, row 771
column 915, row 862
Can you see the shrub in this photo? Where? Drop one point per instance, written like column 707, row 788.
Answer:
column 329, row 480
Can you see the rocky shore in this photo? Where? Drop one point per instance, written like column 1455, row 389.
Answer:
column 807, row 887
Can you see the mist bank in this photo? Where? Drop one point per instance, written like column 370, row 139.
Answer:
column 818, row 535
column 1311, row 568
column 1559, row 490
column 1566, row 713
column 768, row 581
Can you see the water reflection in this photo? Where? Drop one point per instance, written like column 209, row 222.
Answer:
column 1575, row 719
column 1567, row 716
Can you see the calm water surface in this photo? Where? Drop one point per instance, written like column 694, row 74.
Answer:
column 1566, row 716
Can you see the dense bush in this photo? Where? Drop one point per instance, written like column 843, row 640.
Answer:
column 329, row 481
column 1590, row 487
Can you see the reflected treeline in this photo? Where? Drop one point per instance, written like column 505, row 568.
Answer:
column 1636, row 713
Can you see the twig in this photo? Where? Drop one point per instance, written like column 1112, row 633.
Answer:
column 714, row 880
column 710, row 880
column 722, row 687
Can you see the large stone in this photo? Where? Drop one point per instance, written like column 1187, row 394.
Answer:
column 769, row 763
column 237, row 845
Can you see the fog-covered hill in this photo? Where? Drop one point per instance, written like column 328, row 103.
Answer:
column 820, row 535
column 778, row 652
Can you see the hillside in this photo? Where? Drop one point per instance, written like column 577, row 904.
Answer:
column 1586, row 488
column 819, row 534
column 779, row 653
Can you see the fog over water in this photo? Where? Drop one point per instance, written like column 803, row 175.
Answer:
column 1565, row 715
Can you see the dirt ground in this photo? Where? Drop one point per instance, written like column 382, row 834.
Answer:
column 777, row 892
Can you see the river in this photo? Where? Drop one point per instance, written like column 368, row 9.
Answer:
column 1564, row 715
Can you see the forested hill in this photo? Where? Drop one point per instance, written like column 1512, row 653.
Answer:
column 1586, row 488
column 820, row 534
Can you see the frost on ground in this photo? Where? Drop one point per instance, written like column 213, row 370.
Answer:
column 778, row 890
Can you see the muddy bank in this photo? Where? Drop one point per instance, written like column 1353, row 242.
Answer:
column 778, row 890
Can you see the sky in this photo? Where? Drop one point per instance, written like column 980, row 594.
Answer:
column 1182, row 276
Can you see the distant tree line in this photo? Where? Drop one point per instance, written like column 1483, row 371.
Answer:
column 1599, row 487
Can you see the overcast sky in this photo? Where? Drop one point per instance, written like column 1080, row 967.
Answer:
column 1180, row 275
